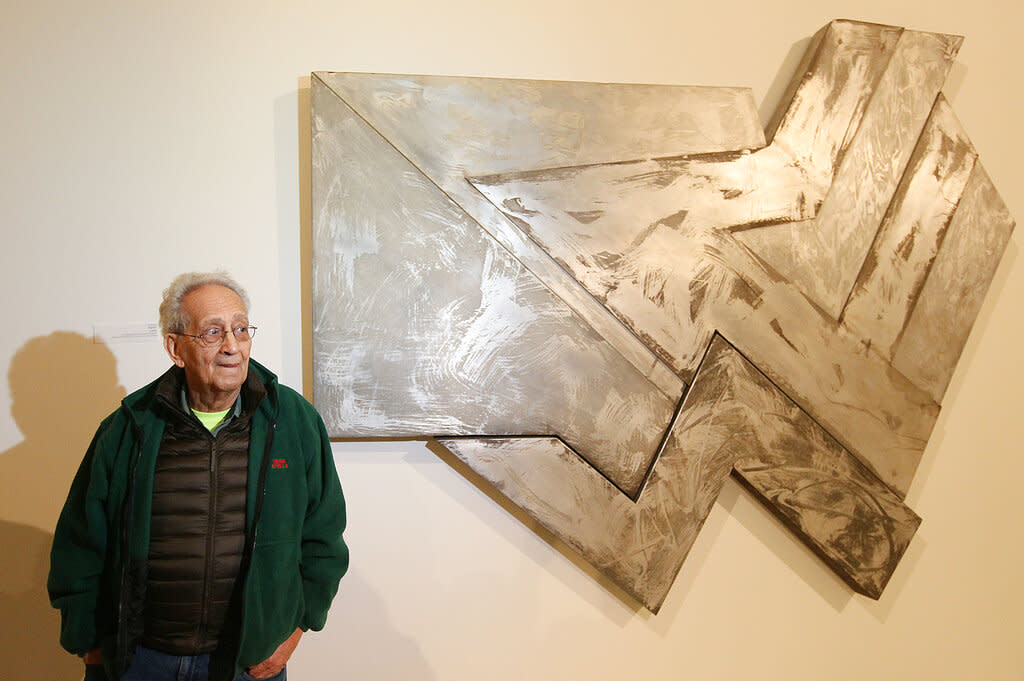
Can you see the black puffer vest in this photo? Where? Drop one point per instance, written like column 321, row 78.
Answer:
column 197, row 534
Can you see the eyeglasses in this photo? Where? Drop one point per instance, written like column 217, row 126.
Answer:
column 214, row 337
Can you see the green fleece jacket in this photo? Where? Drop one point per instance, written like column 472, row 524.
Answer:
column 295, row 515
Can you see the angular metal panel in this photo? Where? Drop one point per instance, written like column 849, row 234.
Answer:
column 823, row 493
column 639, row 545
column 912, row 232
column 454, row 128
column 732, row 415
column 461, row 127
column 536, row 270
column 424, row 325
column 644, row 242
column 822, row 257
column 827, row 106
column 957, row 282
column 873, row 411
column 659, row 250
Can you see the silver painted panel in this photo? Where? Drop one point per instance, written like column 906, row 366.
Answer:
column 535, row 271
column 829, row 101
column 873, row 411
column 732, row 415
column 647, row 228
column 639, row 545
column 823, row 257
column 454, row 128
column 913, row 230
column 658, row 249
column 426, row 326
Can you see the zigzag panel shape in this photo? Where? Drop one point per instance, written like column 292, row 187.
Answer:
column 605, row 298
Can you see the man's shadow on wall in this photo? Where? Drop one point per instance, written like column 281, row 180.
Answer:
column 61, row 386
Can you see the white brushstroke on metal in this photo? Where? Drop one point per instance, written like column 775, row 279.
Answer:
column 956, row 286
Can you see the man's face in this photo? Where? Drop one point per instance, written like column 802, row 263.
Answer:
column 219, row 369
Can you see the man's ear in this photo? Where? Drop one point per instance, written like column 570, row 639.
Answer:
column 171, row 345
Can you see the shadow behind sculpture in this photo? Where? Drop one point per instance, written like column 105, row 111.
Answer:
column 604, row 298
column 62, row 385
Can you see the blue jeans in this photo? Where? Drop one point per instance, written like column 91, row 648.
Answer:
column 152, row 665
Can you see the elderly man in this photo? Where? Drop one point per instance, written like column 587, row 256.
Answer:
column 202, row 532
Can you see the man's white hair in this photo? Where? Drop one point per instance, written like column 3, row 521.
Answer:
column 172, row 317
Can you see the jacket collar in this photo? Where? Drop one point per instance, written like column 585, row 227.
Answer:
column 142, row 406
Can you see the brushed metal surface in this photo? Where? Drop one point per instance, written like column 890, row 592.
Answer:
column 423, row 325
column 956, row 286
column 732, row 416
column 912, row 232
column 659, row 250
column 454, row 128
column 606, row 297
column 822, row 257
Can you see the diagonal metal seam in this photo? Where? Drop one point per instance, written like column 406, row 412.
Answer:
column 867, row 468
column 724, row 156
column 672, row 421
column 855, row 122
column 981, row 225
column 643, row 371
column 678, row 552
column 894, row 203
column 610, row 314
column 336, row 105
column 552, row 436
column 774, row 273
column 785, row 105
column 901, row 171
column 920, row 285
column 647, row 474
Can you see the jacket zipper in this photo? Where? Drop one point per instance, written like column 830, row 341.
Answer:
column 261, row 488
column 211, row 532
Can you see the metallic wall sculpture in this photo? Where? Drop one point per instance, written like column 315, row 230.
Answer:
column 605, row 298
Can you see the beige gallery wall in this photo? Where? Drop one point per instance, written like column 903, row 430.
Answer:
column 140, row 139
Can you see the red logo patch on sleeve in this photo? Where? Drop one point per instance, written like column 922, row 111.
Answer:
column 278, row 463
